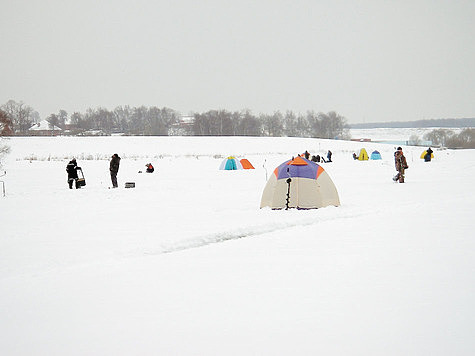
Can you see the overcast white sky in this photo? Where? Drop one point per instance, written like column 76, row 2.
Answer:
column 368, row 60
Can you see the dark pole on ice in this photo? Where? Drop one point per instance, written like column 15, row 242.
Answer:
column 288, row 191
column 264, row 165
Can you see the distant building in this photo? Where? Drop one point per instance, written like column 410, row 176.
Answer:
column 44, row 128
column 69, row 127
column 184, row 127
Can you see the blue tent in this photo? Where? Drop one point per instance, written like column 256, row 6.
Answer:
column 376, row 155
column 230, row 164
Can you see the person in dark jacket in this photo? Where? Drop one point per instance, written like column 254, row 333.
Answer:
column 307, row 155
column 114, row 169
column 72, row 170
column 428, row 155
column 329, row 156
column 401, row 165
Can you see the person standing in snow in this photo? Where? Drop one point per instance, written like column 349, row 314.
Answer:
column 72, row 170
column 401, row 165
column 307, row 155
column 114, row 169
column 428, row 155
column 329, row 156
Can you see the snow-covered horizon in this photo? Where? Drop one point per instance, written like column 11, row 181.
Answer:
column 186, row 263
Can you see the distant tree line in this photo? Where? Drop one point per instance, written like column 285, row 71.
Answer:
column 450, row 139
column 289, row 124
column 464, row 122
column 165, row 122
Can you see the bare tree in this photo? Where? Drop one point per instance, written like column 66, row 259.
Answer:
column 5, row 130
column 313, row 124
column 414, row 140
column 200, row 125
column 77, row 120
column 160, row 120
column 123, row 116
column 5, row 124
column 22, row 115
column 273, row 125
column 62, row 118
column 465, row 139
column 331, row 125
column 248, row 124
column 439, row 136
column 53, row 121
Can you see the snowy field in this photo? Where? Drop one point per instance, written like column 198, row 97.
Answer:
column 187, row 264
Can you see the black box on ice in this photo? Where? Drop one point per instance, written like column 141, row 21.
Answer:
column 130, row 185
column 81, row 182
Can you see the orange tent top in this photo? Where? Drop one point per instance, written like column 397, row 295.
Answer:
column 246, row 164
column 298, row 161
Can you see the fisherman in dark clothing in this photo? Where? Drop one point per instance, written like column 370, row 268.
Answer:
column 329, row 156
column 150, row 168
column 114, row 169
column 307, row 155
column 428, row 155
column 72, row 170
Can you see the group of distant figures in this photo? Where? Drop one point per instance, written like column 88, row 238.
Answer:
column 73, row 178
column 401, row 162
column 317, row 158
column 72, row 168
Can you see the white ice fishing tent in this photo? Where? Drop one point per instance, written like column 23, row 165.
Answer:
column 310, row 187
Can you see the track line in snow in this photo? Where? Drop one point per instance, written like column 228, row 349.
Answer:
column 251, row 231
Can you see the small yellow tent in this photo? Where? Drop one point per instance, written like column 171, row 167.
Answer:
column 363, row 155
column 424, row 153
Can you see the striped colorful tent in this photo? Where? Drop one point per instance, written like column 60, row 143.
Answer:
column 309, row 187
column 230, row 164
